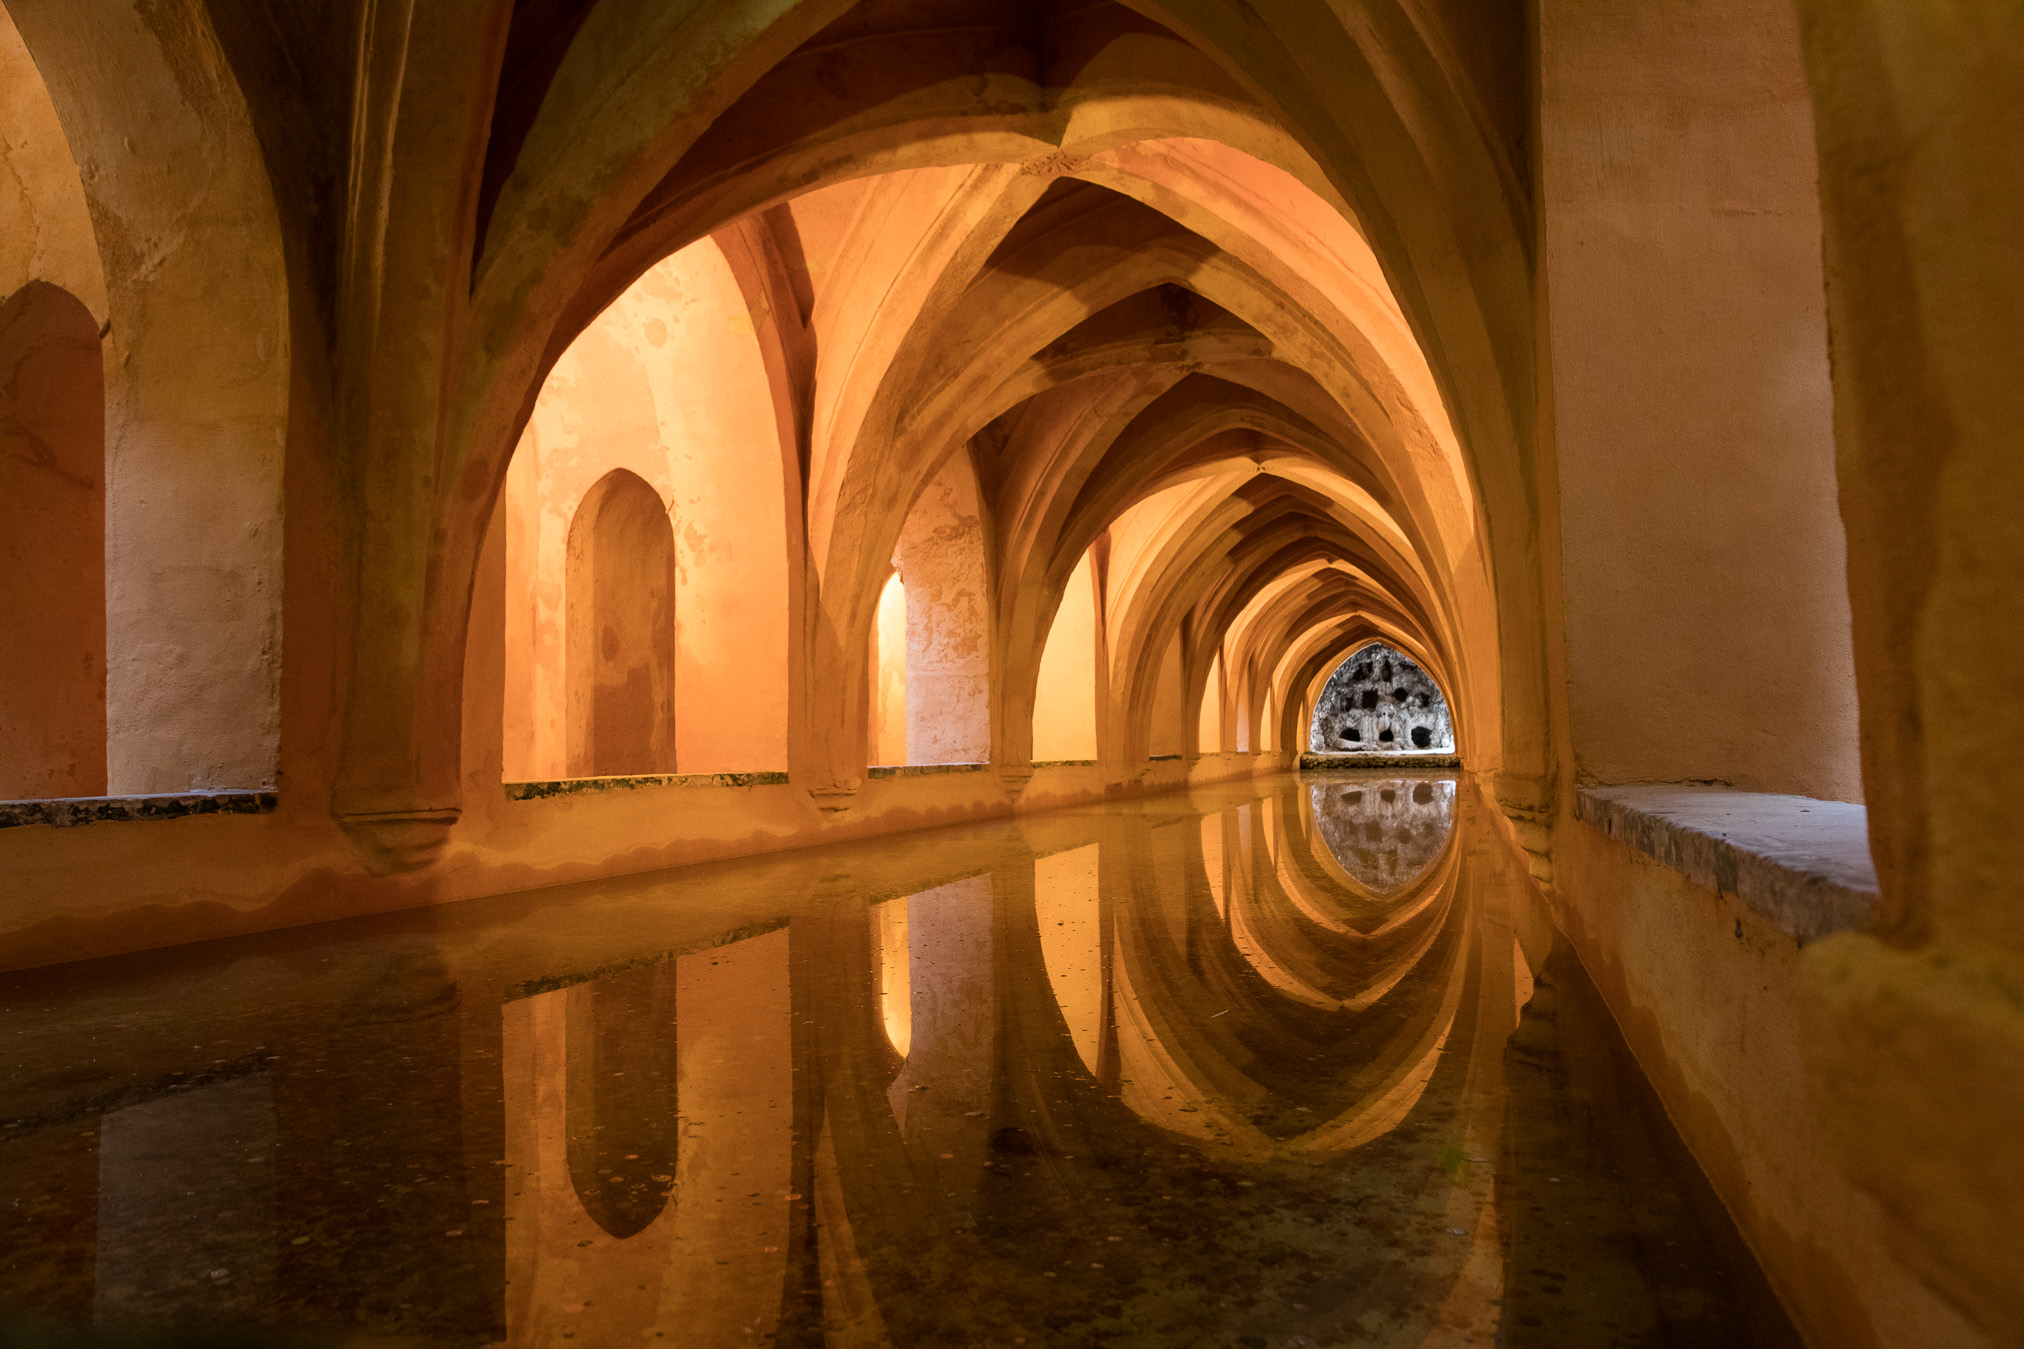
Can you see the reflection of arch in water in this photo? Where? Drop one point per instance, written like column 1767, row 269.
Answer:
column 1384, row 833
column 620, row 1092
column 696, row 1270
column 1380, row 701
column 1183, row 1067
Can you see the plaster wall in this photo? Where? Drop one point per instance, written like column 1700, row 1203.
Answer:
column 1713, row 1000
column 668, row 384
column 198, row 370
column 1703, row 558
column 1209, row 721
column 888, row 730
column 45, row 226
column 1170, row 709
column 1064, row 705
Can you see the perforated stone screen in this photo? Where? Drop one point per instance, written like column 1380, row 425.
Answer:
column 1379, row 702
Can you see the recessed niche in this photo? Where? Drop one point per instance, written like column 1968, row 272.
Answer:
column 1380, row 701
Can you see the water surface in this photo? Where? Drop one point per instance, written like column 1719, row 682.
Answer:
column 1292, row 1062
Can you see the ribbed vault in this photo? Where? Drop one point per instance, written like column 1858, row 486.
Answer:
column 1255, row 352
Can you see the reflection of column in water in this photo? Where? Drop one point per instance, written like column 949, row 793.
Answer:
column 942, row 1097
column 1066, row 905
column 895, row 988
column 1213, row 864
column 186, row 1206
column 710, row 1269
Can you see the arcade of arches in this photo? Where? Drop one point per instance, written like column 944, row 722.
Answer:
column 457, row 449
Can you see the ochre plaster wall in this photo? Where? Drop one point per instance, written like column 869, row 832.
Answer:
column 1064, row 707
column 1704, row 567
column 1713, row 1000
column 668, row 384
column 45, row 227
column 888, row 725
column 198, row 371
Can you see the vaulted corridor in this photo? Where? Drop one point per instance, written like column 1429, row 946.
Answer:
column 1149, row 568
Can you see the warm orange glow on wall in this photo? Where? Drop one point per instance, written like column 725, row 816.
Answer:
column 620, row 660
column 888, row 725
column 52, row 547
column 1066, row 903
column 1064, row 708
column 1209, row 729
column 667, row 384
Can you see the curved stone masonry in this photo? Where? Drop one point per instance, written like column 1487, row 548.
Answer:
column 1380, row 701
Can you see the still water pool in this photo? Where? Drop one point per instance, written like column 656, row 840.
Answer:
column 1301, row 1061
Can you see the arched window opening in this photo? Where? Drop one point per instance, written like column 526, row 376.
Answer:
column 621, row 624
column 886, row 727
column 668, row 384
column 52, row 547
column 1064, row 703
column 1381, row 701
column 947, row 625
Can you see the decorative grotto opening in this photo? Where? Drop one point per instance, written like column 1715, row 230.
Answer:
column 1379, row 701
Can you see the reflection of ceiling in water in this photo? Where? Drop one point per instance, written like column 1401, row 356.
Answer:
column 837, row 1097
column 1385, row 832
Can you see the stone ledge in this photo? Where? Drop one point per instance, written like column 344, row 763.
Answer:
column 1311, row 761
column 1803, row 864
column 534, row 791
column 63, row 812
column 1064, row 763
column 921, row 770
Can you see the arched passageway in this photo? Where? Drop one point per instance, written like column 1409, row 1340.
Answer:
column 543, row 442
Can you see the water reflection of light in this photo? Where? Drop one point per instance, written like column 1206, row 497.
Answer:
column 702, row 1269
column 1384, row 831
column 895, row 987
column 1065, row 902
column 1277, row 937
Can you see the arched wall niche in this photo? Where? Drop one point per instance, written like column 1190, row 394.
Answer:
column 1379, row 700
column 1310, row 663
column 621, row 631
column 197, row 360
column 52, row 547
column 669, row 384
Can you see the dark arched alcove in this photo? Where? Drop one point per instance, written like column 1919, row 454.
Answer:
column 52, row 547
column 621, row 625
